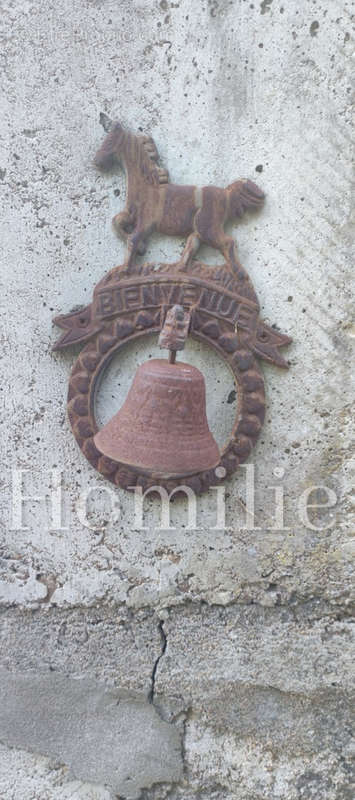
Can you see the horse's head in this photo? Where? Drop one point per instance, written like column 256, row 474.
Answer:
column 111, row 149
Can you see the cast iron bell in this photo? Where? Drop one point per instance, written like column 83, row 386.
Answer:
column 162, row 426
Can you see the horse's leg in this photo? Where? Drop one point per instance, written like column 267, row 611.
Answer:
column 208, row 224
column 227, row 246
column 123, row 224
column 133, row 242
column 137, row 244
column 191, row 247
column 208, row 227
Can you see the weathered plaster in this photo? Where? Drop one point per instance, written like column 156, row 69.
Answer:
column 252, row 678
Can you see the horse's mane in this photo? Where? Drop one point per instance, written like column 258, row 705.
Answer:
column 146, row 155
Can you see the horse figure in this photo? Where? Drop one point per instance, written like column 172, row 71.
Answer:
column 154, row 204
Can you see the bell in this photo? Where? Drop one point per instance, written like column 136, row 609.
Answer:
column 162, row 426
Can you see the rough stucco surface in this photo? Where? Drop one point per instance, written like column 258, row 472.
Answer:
column 183, row 664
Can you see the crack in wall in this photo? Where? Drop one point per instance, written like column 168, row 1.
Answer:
column 164, row 642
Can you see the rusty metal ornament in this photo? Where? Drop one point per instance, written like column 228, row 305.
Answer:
column 133, row 300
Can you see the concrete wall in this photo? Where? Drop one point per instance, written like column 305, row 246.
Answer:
column 210, row 664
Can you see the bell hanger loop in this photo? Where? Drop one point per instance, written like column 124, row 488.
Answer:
column 175, row 331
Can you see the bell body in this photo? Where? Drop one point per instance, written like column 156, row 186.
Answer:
column 162, row 426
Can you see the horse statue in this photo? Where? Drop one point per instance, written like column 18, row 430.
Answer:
column 154, row 204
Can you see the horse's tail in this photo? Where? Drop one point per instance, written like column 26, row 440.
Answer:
column 244, row 195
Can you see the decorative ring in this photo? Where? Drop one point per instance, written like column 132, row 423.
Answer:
column 99, row 351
